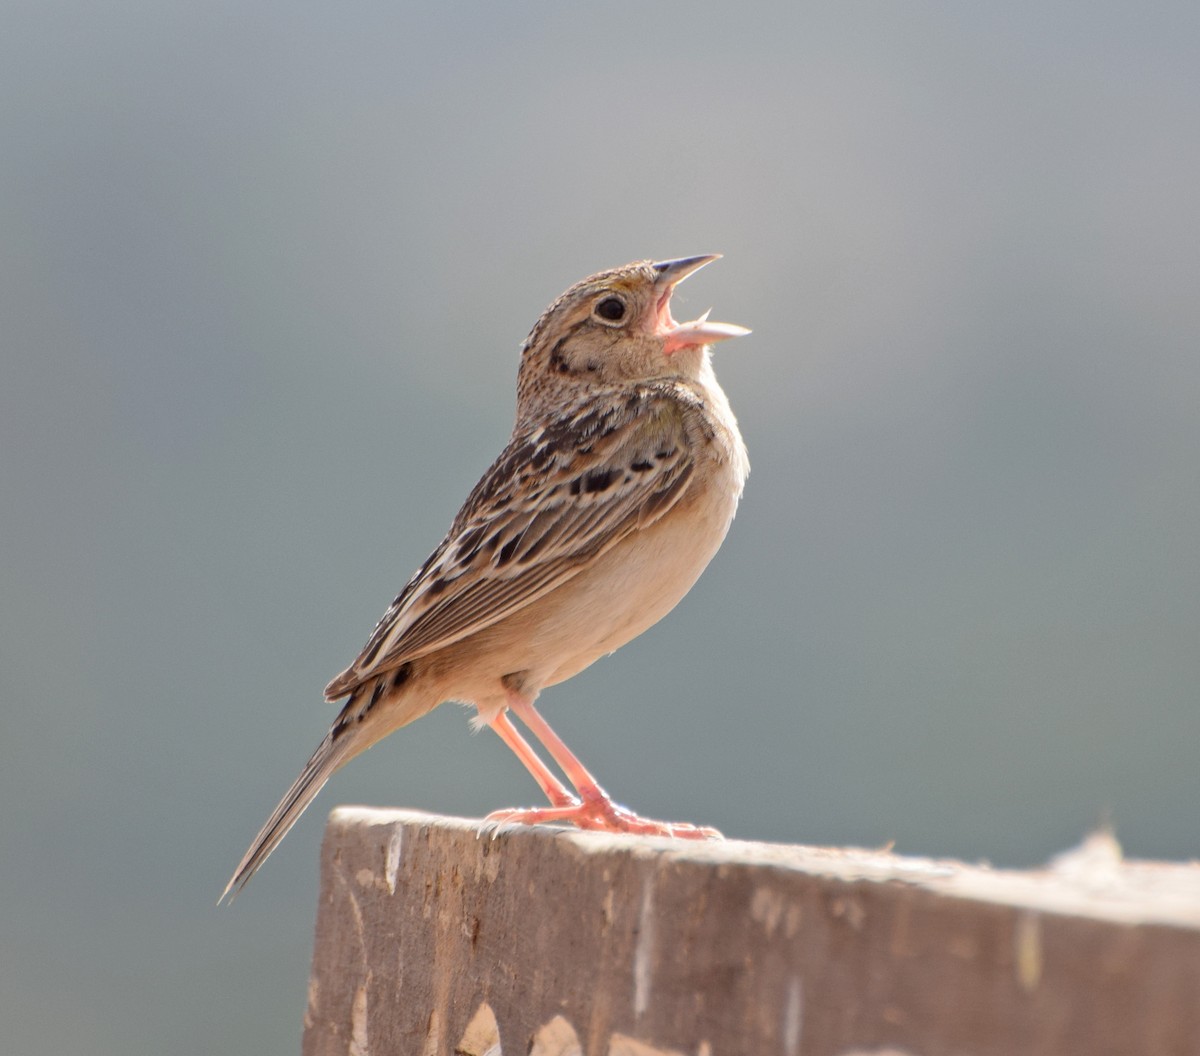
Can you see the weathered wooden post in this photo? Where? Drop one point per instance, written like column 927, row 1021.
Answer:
column 432, row 941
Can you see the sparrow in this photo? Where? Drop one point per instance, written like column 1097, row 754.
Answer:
column 615, row 490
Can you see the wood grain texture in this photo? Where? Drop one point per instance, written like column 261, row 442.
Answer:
column 431, row 941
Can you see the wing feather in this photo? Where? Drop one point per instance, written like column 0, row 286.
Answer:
column 555, row 499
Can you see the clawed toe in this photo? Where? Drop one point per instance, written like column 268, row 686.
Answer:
column 682, row 830
column 611, row 817
column 597, row 815
column 498, row 820
column 489, row 828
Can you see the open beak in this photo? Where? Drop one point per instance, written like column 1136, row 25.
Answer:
column 685, row 335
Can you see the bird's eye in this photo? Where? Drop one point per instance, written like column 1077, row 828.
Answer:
column 610, row 310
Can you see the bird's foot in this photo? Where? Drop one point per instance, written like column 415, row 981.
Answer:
column 499, row 819
column 600, row 814
column 606, row 816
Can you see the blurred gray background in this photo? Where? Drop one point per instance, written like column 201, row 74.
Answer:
column 265, row 269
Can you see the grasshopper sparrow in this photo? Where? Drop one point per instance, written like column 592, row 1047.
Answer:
column 618, row 484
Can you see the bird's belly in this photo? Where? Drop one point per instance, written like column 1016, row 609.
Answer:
column 626, row 591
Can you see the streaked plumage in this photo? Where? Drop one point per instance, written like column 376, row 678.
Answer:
column 616, row 488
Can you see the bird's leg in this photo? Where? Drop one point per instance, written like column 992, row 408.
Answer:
column 597, row 810
column 587, row 786
column 555, row 791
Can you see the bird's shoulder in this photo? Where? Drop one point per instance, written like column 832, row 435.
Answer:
column 575, row 450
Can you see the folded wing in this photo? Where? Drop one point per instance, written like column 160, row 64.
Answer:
column 557, row 497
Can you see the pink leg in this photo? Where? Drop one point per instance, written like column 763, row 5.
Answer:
column 597, row 810
column 554, row 789
column 576, row 772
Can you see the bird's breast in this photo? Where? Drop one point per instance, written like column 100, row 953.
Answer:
column 636, row 583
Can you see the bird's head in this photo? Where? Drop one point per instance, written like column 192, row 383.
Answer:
column 616, row 327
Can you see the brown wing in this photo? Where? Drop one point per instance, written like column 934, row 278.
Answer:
column 557, row 497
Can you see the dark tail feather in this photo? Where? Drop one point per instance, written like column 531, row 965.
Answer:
column 359, row 726
column 338, row 746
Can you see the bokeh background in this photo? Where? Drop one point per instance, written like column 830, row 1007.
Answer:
column 264, row 269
